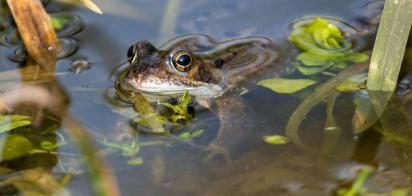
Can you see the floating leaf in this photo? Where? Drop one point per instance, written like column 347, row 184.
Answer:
column 59, row 23
column 282, row 85
column 276, row 139
column 311, row 59
column 10, row 122
column 14, row 146
column 323, row 47
column 135, row 161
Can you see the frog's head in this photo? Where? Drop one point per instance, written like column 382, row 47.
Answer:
column 195, row 63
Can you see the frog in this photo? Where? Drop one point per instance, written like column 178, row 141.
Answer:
column 212, row 72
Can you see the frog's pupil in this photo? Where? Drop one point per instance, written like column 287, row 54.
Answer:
column 184, row 60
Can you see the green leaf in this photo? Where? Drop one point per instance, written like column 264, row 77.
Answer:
column 190, row 135
column 47, row 145
column 135, row 161
column 282, row 85
column 323, row 47
column 149, row 117
column 276, row 139
column 185, row 99
column 310, row 70
column 348, row 86
column 309, row 59
column 59, row 23
column 12, row 118
column 10, row 122
column 128, row 148
column 14, row 146
column 181, row 111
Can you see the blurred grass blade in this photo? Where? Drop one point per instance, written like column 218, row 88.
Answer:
column 89, row 4
column 36, row 31
column 389, row 47
column 168, row 25
column 103, row 181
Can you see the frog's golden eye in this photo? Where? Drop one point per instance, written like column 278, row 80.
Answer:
column 182, row 61
column 132, row 55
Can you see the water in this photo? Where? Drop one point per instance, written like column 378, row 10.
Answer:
column 257, row 168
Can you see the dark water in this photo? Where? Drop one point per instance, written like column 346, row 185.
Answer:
column 257, row 167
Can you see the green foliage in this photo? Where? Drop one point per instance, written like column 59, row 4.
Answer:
column 14, row 146
column 50, row 146
column 190, row 135
column 323, row 47
column 128, row 149
column 135, row 161
column 276, row 139
column 282, row 85
column 10, row 122
column 180, row 111
column 148, row 116
column 349, row 86
column 357, row 186
column 59, row 22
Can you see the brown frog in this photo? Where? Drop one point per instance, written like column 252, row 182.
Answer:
column 210, row 71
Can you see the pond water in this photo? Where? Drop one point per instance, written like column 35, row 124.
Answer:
column 179, row 168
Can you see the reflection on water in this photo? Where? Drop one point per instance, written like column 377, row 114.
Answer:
column 159, row 165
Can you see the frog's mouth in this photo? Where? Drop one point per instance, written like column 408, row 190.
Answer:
column 164, row 87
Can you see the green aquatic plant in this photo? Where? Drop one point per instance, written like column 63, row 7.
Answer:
column 14, row 146
column 283, row 85
column 276, row 139
column 190, row 135
column 59, row 22
column 323, row 47
column 10, row 122
column 181, row 112
column 357, row 186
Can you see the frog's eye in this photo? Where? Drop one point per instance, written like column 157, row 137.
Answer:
column 182, row 61
column 132, row 54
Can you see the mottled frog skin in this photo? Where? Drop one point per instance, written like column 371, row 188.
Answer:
column 210, row 71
